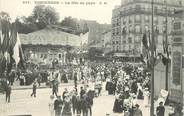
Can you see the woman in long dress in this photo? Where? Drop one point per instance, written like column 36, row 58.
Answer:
column 51, row 105
column 67, row 107
column 146, row 97
column 118, row 105
column 139, row 91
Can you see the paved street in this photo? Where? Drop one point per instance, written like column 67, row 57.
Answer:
column 22, row 103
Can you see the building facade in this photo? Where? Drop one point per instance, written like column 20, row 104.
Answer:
column 106, row 41
column 132, row 19
column 95, row 30
column 176, row 80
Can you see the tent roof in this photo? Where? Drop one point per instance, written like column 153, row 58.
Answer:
column 50, row 36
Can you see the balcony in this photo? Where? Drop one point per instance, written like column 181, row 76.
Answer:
column 177, row 33
column 159, row 12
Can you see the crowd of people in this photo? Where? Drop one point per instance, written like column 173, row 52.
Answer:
column 128, row 83
column 72, row 103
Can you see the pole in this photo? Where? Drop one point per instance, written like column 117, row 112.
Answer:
column 167, row 63
column 152, row 61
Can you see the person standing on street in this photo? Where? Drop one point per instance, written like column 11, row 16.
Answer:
column 65, row 93
column 51, row 105
column 8, row 92
column 54, row 89
column 34, row 89
column 67, row 106
column 75, row 79
column 160, row 109
column 74, row 102
column 39, row 79
column 82, row 92
column 137, row 111
column 58, row 103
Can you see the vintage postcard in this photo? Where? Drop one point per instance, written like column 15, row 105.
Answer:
column 91, row 57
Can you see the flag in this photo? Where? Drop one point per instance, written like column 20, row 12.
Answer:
column 145, row 41
column 21, row 61
column 12, row 42
column 5, row 35
column 16, row 49
column 165, row 55
column 7, row 56
column 1, row 36
column 148, row 44
column 2, row 63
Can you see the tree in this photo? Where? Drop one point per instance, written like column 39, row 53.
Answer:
column 4, row 16
column 24, row 27
column 43, row 16
column 69, row 22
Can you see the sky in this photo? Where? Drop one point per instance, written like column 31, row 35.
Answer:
column 101, row 13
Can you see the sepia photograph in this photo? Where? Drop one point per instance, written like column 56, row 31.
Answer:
column 91, row 57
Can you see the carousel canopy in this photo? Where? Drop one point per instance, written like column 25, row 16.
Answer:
column 50, row 36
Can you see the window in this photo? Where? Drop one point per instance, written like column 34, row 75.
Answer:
column 113, row 48
column 177, row 25
column 117, row 48
column 137, row 29
column 164, row 20
column 164, row 29
column 124, row 20
column 156, row 19
column 155, row 9
column 130, row 29
column 136, row 39
column 124, row 30
column 137, row 6
column 137, row 18
column 59, row 55
column 130, row 19
column 130, row 8
column 146, row 18
column 129, row 40
column 146, row 28
column 156, row 29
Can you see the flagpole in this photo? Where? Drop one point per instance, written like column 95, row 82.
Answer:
column 166, row 41
column 152, row 60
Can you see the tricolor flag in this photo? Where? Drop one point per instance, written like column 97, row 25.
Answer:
column 16, row 49
column 165, row 55
column 18, row 53
column 147, row 42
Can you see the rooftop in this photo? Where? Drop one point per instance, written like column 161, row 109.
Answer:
column 50, row 36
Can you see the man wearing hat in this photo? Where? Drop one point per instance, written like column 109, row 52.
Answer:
column 160, row 109
column 137, row 111
column 58, row 106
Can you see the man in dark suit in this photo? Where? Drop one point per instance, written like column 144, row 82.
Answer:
column 8, row 92
column 58, row 103
column 82, row 92
column 160, row 109
column 34, row 89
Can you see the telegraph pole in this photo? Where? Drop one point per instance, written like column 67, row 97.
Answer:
column 166, row 41
column 152, row 60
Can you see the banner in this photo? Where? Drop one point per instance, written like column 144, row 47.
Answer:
column 162, row 97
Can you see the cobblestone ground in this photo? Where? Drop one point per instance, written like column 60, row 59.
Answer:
column 22, row 103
